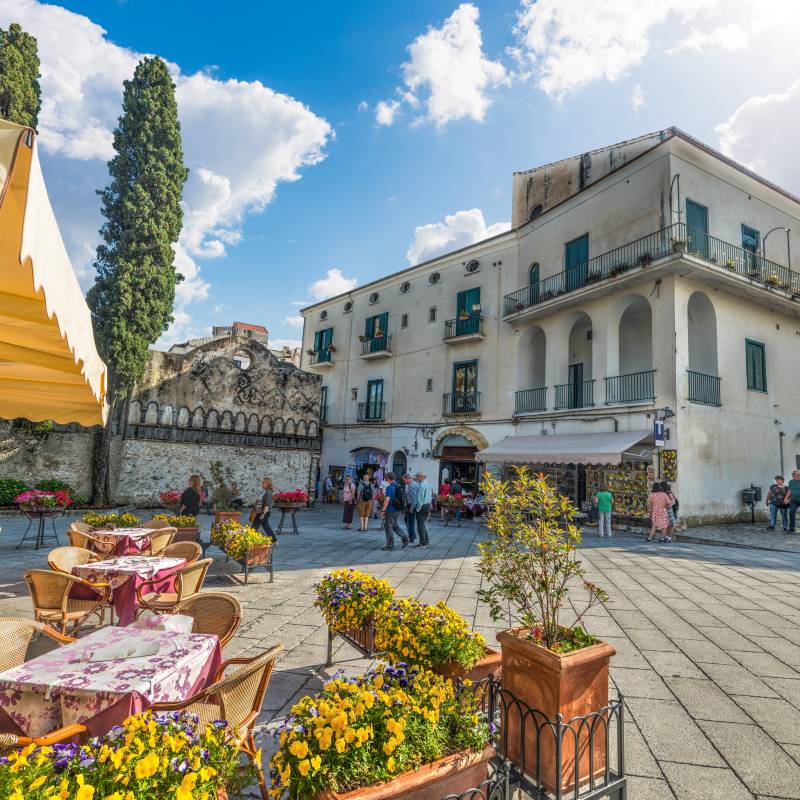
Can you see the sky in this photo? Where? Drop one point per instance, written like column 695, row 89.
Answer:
column 332, row 143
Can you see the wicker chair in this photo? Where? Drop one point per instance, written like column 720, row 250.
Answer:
column 159, row 540
column 16, row 634
column 213, row 612
column 189, row 551
column 63, row 559
column 86, row 541
column 237, row 699
column 80, row 527
column 52, row 603
column 155, row 524
column 188, row 582
column 10, row 741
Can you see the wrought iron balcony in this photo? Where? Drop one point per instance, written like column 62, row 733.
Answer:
column 640, row 254
column 704, row 389
column 528, row 400
column 461, row 403
column 464, row 327
column 371, row 412
column 376, row 347
column 320, row 358
column 575, row 395
column 632, row 388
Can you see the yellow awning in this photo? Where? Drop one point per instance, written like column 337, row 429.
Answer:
column 49, row 365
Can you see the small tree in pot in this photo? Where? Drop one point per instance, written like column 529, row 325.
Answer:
column 222, row 492
column 530, row 564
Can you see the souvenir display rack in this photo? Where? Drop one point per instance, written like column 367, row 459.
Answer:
column 627, row 482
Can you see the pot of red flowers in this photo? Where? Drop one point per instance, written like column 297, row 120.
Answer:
column 349, row 601
column 186, row 528
column 392, row 733
column 529, row 564
column 433, row 637
column 290, row 500
column 38, row 501
column 171, row 500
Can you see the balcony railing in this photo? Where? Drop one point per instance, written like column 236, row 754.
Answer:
column 631, row 388
column 323, row 413
column 527, row 400
column 642, row 252
column 464, row 326
column 321, row 357
column 371, row 412
column 704, row 388
column 461, row 403
column 376, row 344
column 575, row 395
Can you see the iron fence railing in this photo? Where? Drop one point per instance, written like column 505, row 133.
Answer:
column 463, row 326
column 575, row 395
column 527, row 400
column 461, row 403
column 321, row 357
column 371, row 411
column 704, row 388
column 643, row 252
column 376, row 344
column 635, row 386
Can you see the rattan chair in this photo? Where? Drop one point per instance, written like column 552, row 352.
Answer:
column 155, row 524
column 159, row 540
column 52, row 603
column 80, row 527
column 213, row 612
column 10, row 741
column 16, row 634
column 189, row 551
column 188, row 582
column 237, row 699
column 86, row 541
column 63, row 559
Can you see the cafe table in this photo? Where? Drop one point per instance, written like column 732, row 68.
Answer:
column 99, row 680
column 125, row 574
column 122, row 541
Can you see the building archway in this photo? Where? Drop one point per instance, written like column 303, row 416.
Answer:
column 702, row 327
column 531, row 369
column 399, row 464
column 456, row 448
column 578, row 391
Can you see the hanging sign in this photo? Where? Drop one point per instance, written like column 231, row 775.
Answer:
column 659, row 433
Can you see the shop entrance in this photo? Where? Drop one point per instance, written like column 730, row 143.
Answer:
column 458, row 464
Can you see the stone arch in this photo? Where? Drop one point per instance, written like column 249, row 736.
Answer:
column 212, row 420
column 290, row 427
column 167, row 414
column 135, row 412
column 252, row 424
column 183, row 417
column 702, row 328
column 265, row 426
column 474, row 437
column 313, row 429
column 636, row 336
column 301, row 428
column 277, row 426
column 151, row 413
column 198, row 418
column 226, row 424
column 240, row 423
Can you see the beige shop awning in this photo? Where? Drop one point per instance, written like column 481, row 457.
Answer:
column 49, row 365
column 571, row 448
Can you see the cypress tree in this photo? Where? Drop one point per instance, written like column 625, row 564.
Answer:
column 133, row 295
column 20, row 95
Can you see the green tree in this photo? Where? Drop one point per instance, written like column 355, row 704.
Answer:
column 133, row 295
column 20, row 95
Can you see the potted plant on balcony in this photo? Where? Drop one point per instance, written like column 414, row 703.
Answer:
column 331, row 348
column 389, row 734
column 222, row 493
column 644, row 260
column 530, row 564
column 362, row 338
column 519, row 307
column 593, row 276
column 730, row 264
column 678, row 244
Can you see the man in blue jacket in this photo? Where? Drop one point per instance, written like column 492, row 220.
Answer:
column 394, row 504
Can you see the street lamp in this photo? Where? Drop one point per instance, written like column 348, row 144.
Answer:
column 788, row 245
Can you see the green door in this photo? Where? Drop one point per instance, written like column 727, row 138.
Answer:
column 375, row 331
column 576, row 262
column 751, row 240
column 697, row 224
column 322, row 342
column 467, row 316
column 575, row 380
column 533, row 285
column 374, row 400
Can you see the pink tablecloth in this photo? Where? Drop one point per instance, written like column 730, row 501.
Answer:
column 123, row 541
column 126, row 574
column 63, row 687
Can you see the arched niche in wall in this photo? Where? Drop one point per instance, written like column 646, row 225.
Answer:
column 151, row 413
column 183, row 417
column 227, row 421
column 134, row 412
column 167, row 415
column 313, row 429
column 240, row 423
column 301, row 428
column 252, row 424
column 290, row 427
column 198, row 418
column 266, row 422
column 212, row 421
column 277, row 426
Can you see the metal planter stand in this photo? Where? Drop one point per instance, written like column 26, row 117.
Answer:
column 292, row 511
column 39, row 515
column 363, row 639
column 268, row 564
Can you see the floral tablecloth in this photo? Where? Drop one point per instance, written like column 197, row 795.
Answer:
column 122, row 541
column 125, row 574
column 64, row 687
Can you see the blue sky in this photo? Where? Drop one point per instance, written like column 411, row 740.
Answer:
column 296, row 168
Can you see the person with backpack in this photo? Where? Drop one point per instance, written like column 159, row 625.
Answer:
column 364, row 497
column 394, row 504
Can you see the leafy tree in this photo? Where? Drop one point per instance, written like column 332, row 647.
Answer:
column 20, row 95
column 133, row 296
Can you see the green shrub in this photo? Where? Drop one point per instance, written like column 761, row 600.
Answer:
column 54, row 485
column 9, row 489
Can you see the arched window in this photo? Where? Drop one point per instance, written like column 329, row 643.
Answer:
column 533, row 284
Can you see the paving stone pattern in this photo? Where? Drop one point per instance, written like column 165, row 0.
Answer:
column 707, row 639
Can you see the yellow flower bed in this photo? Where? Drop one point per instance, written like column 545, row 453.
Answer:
column 350, row 599
column 236, row 539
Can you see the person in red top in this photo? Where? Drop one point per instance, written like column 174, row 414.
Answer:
column 444, row 491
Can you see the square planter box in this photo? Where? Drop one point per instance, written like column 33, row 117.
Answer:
column 451, row 775
column 186, row 534
column 362, row 639
column 490, row 664
column 573, row 685
column 260, row 556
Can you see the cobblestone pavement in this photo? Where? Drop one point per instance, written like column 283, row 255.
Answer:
column 707, row 639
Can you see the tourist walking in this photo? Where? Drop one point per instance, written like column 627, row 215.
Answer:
column 192, row 496
column 327, row 490
column 657, row 504
column 778, row 501
column 604, row 500
column 206, row 495
column 794, row 499
column 411, row 506
column 444, row 491
column 394, row 504
column 349, row 500
column 423, row 507
column 457, row 491
column 263, row 508
column 672, row 511
column 364, row 498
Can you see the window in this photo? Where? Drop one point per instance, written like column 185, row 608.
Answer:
column 472, row 266
column 323, row 402
column 432, row 314
column 404, row 287
column 323, row 340
column 404, row 321
column 750, row 239
column 242, row 360
column 465, row 387
column 348, row 307
column 323, row 315
column 756, row 366
column 468, row 311
column 429, row 385
column 697, row 228
column 374, row 404
column 376, row 326
column 433, row 278
column 374, row 297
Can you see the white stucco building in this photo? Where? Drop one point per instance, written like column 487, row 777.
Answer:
column 643, row 281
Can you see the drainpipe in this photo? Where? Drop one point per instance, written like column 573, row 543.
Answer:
column 781, row 434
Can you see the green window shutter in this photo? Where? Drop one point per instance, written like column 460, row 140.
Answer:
column 750, row 239
column 382, row 324
column 466, row 299
column 755, row 362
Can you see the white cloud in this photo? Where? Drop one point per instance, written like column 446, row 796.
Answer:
column 363, row 106
column 458, row 230
column 332, row 284
column 277, row 344
column 295, row 321
column 570, row 44
column 447, row 74
column 723, row 38
column 638, row 97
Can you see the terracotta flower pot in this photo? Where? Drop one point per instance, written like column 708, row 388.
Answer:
column 257, row 556
column 490, row 664
column 186, row 534
column 450, row 775
column 574, row 685
column 221, row 516
column 222, row 793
